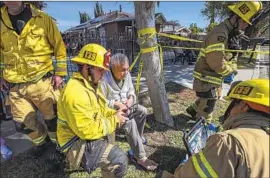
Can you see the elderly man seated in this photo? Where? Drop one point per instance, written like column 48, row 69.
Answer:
column 118, row 88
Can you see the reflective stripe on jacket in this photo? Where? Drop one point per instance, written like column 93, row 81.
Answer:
column 211, row 66
column 241, row 151
column 83, row 111
column 28, row 57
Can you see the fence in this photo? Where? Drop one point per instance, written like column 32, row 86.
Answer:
column 126, row 43
column 119, row 43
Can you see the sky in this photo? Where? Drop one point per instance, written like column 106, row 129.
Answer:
column 67, row 13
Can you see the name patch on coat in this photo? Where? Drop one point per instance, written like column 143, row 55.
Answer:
column 243, row 90
column 221, row 38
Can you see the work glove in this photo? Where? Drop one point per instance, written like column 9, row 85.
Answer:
column 6, row 152
column 212, row 129
column 229, row 79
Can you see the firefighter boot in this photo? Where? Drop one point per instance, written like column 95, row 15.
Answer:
column 192, row 112
column 40, row 150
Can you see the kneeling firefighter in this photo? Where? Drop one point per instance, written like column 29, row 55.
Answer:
column 85, row 121
column 242, row 149
column 212, row 66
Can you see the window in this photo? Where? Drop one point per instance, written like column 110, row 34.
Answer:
column 128, row 30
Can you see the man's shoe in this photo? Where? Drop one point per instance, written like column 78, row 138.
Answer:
column 191, row 111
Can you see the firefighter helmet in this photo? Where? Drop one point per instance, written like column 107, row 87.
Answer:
column 255, row 92
column 246, row 9
column 95, row 55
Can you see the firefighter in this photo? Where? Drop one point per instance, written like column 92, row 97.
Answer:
column 29, row 40
column 242, row 149
column 211, row 66
column 84, row 114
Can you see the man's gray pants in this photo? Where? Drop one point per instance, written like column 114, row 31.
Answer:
column 134, row 131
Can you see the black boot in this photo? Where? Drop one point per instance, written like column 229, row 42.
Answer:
column 38, row 151
column 191, row 111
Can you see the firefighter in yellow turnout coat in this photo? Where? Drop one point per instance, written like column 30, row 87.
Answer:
column 84, row 114
column 29, row 40
column 211, row 66
column 242, row 149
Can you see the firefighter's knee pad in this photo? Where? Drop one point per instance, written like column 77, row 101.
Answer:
column 118, row 157
column 20, row 127
column 210, row 106
column 51, row 124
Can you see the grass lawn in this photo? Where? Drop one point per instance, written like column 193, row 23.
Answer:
column 165, row 144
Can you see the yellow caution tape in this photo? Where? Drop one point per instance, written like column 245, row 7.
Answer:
column 179, row 37
column 198, row 41
column 146, row 34
column 149, row 33
column 176, row 47
column 226, row 50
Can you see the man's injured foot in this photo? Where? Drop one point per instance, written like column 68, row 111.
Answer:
column 148, row 164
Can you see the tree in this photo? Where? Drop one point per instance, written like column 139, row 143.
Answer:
column 84, row 17
column 211, row 26
column 215, row 11
column 145, row 18
column 194, row 28
column 98, row 10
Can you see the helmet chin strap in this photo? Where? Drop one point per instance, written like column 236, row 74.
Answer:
column 228, row 111
column 92, row 77
column 235, row 31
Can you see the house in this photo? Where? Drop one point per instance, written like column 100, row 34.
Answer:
column 108, row 25
column 174, row 28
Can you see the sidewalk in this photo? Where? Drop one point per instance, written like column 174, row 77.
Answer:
column 181, row 74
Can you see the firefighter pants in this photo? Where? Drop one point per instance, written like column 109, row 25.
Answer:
column 28, row 98
column 204, row 107
column 99, row 153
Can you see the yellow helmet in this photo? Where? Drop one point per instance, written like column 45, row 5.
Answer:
column 95, row 55
column 255, row 92
column 246, row 9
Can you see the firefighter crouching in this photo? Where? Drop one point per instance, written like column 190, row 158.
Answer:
column 242, row 149
column 85, row 120
column 212, row 66
column 29, row 39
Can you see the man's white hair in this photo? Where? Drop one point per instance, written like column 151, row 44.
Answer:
column 118, row 59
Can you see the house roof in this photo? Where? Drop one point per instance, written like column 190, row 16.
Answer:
column 116, row 16
column 160, row 18
column 106, row 18
column 176, row 30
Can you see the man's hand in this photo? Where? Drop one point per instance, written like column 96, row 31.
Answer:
column 129, row 102
column 120, row 107
column 120, row 114
column 3, row 85
column 229, row 79
column 57, row 82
